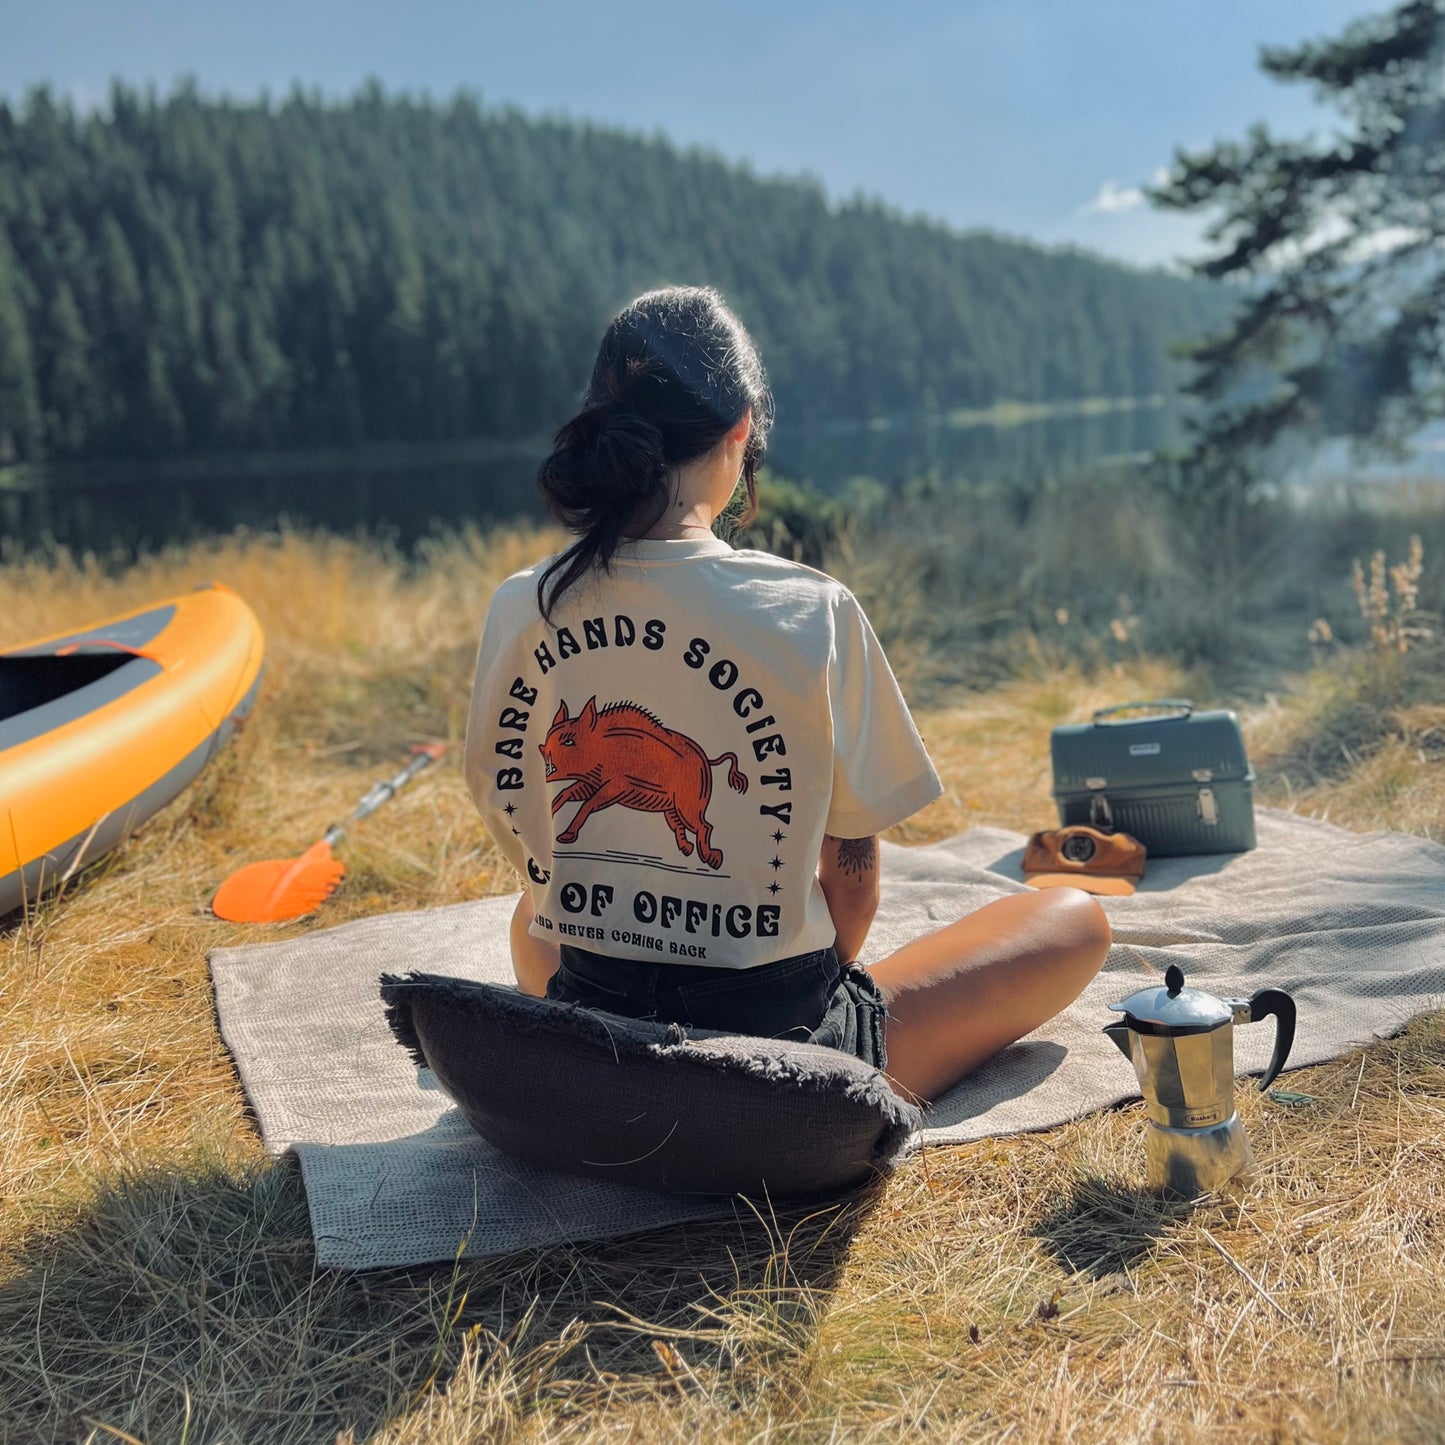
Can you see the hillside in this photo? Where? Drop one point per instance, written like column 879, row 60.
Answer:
column 186, row 275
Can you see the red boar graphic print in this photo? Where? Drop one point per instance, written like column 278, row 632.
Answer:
column 623, row 755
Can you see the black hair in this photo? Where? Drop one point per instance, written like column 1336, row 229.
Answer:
column 674, row 374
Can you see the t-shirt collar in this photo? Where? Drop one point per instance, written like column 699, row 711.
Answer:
column 678, row 549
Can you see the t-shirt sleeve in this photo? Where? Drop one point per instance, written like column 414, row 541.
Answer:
column 482, row 764
column 881, row 770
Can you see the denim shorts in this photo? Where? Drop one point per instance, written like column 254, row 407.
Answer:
column 809, row 997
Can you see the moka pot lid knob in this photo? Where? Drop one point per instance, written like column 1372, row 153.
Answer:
column 1173, row 1009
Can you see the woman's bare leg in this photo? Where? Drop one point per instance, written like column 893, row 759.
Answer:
column 534, row 960
column 958, row 996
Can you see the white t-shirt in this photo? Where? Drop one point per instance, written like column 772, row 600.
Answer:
column 662, row 761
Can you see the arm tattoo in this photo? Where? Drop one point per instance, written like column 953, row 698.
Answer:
column 855, row 855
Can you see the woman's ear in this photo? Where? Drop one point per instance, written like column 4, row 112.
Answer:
column 743, row 425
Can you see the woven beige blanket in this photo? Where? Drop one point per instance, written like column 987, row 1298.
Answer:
column 1353, row 925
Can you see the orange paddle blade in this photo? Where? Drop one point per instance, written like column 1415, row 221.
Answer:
column 279, row 888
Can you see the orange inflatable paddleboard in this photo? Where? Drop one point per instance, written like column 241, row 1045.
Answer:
column 102, row 727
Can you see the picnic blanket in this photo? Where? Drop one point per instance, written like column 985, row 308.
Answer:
column 1353, row 925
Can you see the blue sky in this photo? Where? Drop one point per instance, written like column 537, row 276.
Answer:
column 1031, row 117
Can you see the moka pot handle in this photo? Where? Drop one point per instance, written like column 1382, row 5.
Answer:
column 1274, row 1001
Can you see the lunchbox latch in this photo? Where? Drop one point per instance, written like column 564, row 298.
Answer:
column 1099, row 814
column 1208, row 807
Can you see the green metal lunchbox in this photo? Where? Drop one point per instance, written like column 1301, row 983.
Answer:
column 1176, row 779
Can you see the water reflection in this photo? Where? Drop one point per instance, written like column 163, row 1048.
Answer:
column 397, row 494
column 403, row 494
column 1030, row 448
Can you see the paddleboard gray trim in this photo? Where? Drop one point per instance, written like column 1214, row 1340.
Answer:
column 41, row 874
column 133, row 631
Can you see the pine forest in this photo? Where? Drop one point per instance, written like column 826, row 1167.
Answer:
column 186, row 275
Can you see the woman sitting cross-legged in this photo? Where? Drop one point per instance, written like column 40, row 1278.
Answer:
column 688, row 751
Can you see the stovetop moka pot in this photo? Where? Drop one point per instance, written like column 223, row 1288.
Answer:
column 1181, row 1044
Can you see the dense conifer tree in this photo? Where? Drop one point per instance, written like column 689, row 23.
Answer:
column 1339, row 241
column 20, row 419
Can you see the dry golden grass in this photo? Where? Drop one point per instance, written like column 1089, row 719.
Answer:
column 157, row 1278
column 992, row 751
column 1360, row 742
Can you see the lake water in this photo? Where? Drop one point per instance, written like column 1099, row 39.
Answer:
column 406, row 493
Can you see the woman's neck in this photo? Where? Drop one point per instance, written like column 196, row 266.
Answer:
column 684, row 518
column 669, row 531
column 700, row 493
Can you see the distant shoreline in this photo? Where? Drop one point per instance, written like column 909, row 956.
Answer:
column 43, row 476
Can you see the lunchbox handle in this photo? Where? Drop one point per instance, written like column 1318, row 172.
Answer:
column 1179, row 705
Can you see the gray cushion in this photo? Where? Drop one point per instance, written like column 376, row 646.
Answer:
column 645, row 1103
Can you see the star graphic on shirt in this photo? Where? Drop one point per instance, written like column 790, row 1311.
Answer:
column 510, row 809
column 775, row 862
column 779, row 836
column 773, row 887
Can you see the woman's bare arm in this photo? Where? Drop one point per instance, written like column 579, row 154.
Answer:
column 848, row 871
column 534, row 960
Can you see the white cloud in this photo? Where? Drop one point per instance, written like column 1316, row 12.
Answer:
column 1112, row 199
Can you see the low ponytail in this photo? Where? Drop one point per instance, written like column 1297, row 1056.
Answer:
column 675, row 373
